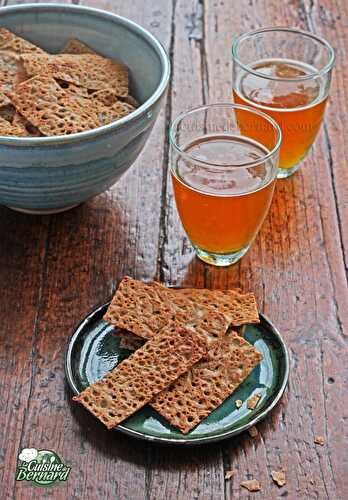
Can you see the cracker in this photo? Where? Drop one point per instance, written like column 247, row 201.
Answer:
column 135, row 381
column 86, row 70
column 238, row 308
column 26, row 127
column 75, row 46
column 251, row 485
column 7, row 129
column 8, row 71
column 229, row 474
column 130, row 100
column 4, row 100
column 319, row 440
column 206, row 386
column 107, row 114
column 128, row 340
column 110, row 96
column 278, row 477
column 7, row 111
column 253, row 401
column 17, row 45
column 51, row 109
column 110, row 108
column 73, row 89
column 144, row 308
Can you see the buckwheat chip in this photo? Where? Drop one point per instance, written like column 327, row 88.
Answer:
column 17, row 45
column 251, row 485
column 253, row 401
column 111, row 96
column 229, row 474
column 319, row 440
column 10, row 73
column 86, row 70
column 73, row 89
column 7, row 129
column 278, row 477
column 51, row 109
column 128, row 340
column 75, row 46
column 107, row 114
column 28, row 129
column 148, row 371
column 206, row 386
column 7, row 111
column 144, row 308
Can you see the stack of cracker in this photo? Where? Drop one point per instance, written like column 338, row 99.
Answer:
column 45, row 94
column 187, row 359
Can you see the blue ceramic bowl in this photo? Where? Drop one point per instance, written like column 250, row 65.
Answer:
column 52, row 174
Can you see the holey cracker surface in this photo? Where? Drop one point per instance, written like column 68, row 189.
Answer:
column 91, row 71
column 51, row 109
column 148, row 371
column 145, row 308
column 15, row 44
column 206, row 386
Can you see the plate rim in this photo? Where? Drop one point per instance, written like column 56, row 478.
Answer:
column 173, row 441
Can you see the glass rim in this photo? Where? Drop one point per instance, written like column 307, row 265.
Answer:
column 240, row 38
column 233, row 106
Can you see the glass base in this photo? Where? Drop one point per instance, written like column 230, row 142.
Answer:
column 283, row 173
column 221, row 259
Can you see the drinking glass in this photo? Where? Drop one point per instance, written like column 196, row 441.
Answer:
column 223, row 177
column 286, row 73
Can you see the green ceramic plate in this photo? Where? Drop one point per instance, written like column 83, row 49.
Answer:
column 93, row 351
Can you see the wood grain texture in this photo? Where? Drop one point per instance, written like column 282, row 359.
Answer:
column 56, row 269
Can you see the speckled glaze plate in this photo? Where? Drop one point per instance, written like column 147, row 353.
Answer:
column 93, row 350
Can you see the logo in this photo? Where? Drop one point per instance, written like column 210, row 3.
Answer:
column 41, row 467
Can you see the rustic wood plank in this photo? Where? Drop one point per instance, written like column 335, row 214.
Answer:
column 89, row 249
column 67, row 264
column 177, row 264
column 194, row 473
column 22, row 257
column 295, row 258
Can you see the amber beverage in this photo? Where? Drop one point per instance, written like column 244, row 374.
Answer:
column 223, row 186
column 292, row 88
column 223, row 217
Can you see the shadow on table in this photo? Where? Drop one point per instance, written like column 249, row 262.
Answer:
column 23, row 234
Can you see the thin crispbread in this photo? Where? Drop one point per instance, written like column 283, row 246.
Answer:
column 148, row 371
column 9, row 71
column 107, row 114
column 7, row 111
column 206, row 386
column 128, row 340
column 91, row 71
column 17, row 45
column 51, row 109
column 75, row 46
column 238, row 308
column 4, row 100
column 73, row 89
column 110, row 97
column 8, row 129
column 144, row 308
column 27, row 128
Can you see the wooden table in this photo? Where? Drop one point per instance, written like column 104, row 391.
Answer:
column 54, row 270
